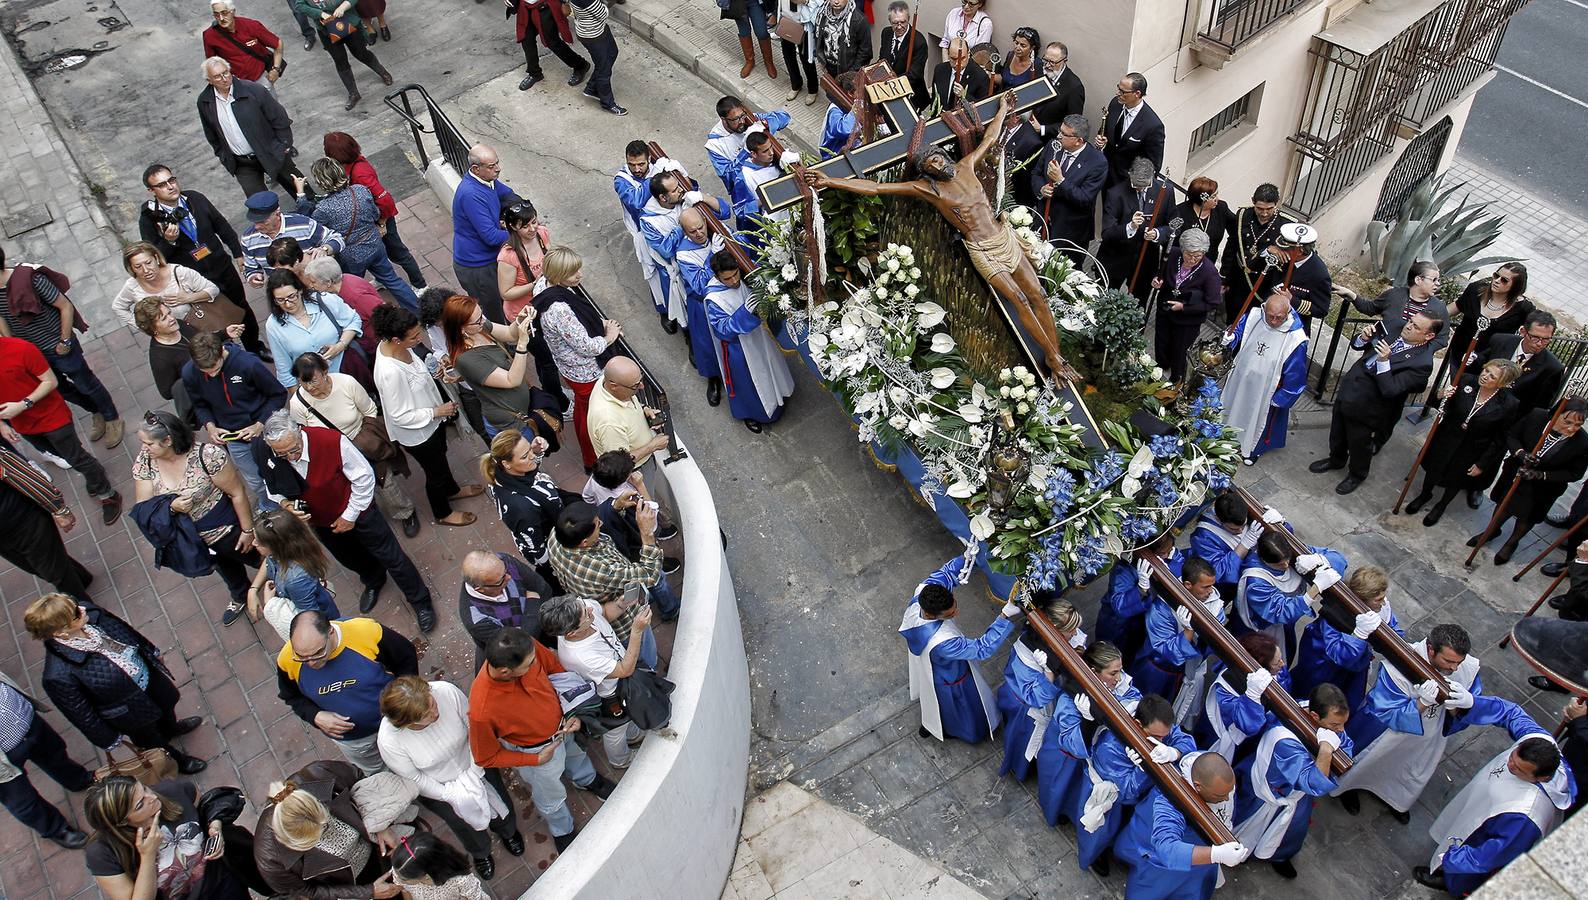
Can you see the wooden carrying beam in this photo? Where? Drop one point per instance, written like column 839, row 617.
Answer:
column 1113, row 714
column 716, row 225
column 1385, row 640
column 1275, row 699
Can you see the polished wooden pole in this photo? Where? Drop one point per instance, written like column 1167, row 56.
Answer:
column 1428, row 440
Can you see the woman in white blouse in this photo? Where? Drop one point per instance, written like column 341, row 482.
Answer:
column 149, row 275
column 424, row 737
column 415, row 411
column 969, row 22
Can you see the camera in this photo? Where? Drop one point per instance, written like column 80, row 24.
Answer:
column 164, row 218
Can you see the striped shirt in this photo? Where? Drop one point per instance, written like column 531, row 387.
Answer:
column 307, row 232
column 43, row 330
column 19, row 474
column 16, row 717
column 589, row 18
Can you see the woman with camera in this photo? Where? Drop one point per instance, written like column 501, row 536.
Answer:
column 1188, row 289
column 527, row 499
column 477, row 349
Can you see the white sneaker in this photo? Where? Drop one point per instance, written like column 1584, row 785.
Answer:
column 792, row 95
column 54, row 460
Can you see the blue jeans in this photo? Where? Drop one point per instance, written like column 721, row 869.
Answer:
column 401, row 255
column 243, row 458
column 754, row 17
column 305, row 25
column 664, row 599
column 78, row 383
column 545, row 784
column 603, row 55
column 357, row 262
column 648, row 650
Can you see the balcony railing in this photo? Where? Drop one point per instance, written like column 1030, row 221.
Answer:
column 1234, row 22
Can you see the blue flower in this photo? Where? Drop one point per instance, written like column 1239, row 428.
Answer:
column 1168, row 494
column 1090, row 558
column 1209, row 390
column 1165, row 446
column 1138, row 529
column 1105, row 469
column 1210, row 429
column 1060, row 492
column 1218, row 481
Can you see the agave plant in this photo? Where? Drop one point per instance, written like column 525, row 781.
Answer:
column 1452, row 238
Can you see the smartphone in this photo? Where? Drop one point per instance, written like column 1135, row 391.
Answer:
column 633, row 595
column 228, row 435
column 212, row 845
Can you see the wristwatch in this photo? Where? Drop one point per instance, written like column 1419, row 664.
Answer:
column 27, row 402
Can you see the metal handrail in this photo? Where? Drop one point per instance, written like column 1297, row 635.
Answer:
column 452, row 144
column 652, row 395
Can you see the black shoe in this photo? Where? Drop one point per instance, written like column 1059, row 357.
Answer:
column 110, row 507
column 485, row 867
column 667, row 531
column 1417, row 503
column 385, row 34
column 71, row 839
column 1503, row 555
column 923, row 732
column 670, row 565
column 713, row 391
column 578, row 75
column 1283, row 868
column 1102, row 866
column 411, row 526
column 1474, row 499
column 190, row 765
column 754, row 426
column 1405, row 818
column 370, row 597
column 234, row 610
column 1325, row 465
column 1477, row 539
column 187, row 725
column 563, row 841
column 669, row 326
column 385, row 77
column 1552, row 570
column 590, row 93
column 602, row 787
column 1428, row 879
column 426, row 614
column 1348, row 484
column 1351, row 802
column 309, row 42
column 352, row 100
column 1434, row 515
column 514, row 844
column 1558, row 521
column 530, row 81
column 616, row 110
column 1544, row 684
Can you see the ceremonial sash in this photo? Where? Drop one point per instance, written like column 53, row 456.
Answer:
column 1265, row 829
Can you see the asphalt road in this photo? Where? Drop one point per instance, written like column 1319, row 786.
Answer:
column 1528, row 123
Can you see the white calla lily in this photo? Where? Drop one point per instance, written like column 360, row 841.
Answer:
column 928, row 314
column 942, row 343
column 942, row 377
column 981, row 527
column 960, row 490
column 1140, row 463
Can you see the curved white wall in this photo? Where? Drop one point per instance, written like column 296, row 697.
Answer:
column 671, row 827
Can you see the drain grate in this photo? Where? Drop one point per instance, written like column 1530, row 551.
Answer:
column 24, row 220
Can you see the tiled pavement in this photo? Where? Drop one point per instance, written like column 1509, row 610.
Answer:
column 227, row 675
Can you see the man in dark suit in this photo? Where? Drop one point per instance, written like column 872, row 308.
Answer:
column 1128, row 221
column 1041, row 125
column 248, row 129
column 189, row 231
column 1372, row 394
column 1310, row 285
column 957, row 77
column 1067, row 179
column 1420, row 294
column 1131, row 130
column 1542, row 373
column 1256, row 229
column 896, row 49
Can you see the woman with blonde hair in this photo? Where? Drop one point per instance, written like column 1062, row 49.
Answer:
column 1465, row 452
column 151, row 842
column 1341, row 655
column 311, row 844
column 149, row 275
column 576, row 335
column 527, row 499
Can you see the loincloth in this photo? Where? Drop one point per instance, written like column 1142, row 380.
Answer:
column 997, row 256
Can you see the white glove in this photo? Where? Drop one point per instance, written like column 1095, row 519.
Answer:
column 1011, row 610
column 1325, row 577
column 759, row 126
column 1460, row 697
column 1306, row 562
column 693, row 197
column 1041, row 656
column 1164, row 754
column 1232, row 854
column 1366, row 624
column 1257, row 682
column 1229, row 338
column 1427, row 693
column 1133, row 756
column 1083, row 705
column 667, row 164
column 1325, row 736
column 1273, row 516
column 1078, row 639
column 789, row 158
column 1250, row 534
column 1183, row 616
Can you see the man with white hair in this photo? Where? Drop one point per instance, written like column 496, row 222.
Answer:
column 249, row 131
column 477, row 230
column 1270, row 375
column 321, row 477
column 253, row 51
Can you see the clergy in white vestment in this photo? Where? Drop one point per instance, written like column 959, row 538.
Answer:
column 955, row 699
column 754, row 372
column 1507, row 807
column 1270, row 375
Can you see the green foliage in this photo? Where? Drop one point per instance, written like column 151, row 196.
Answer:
column 1427, row 229
column 852, row 222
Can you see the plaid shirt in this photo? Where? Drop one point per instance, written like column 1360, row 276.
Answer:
column 600, row 573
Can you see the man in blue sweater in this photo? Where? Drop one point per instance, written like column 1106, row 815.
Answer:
column 233, row 393
column 477, row 231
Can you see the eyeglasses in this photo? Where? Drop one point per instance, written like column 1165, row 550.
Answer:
column 1055, row 63
column 293, row 297
column 496, row 585
column 1502, row 279
column 1124, row 91
column 324, row 651
column 161, row 185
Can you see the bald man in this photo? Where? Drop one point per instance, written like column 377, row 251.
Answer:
column 693, row 256
column 618, row 421
column 477, row 232
column 499, row 591
column 1168, row 856
column 957, row 77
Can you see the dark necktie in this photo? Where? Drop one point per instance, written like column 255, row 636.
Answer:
column 1069, row 160
column 1141, row 200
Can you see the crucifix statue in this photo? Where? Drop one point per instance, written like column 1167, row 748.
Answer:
column 955, row 191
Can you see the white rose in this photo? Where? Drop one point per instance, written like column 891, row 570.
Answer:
column 914, row 272
column 1022, row 408
column 942, row 343
column 1028, row 379
column 1003, row 374
column 1004, row 392
column 942, row 377
column 893, row 265
column 892, row 247
column 1157, row 373
column 1016, row 392
column 911, row 290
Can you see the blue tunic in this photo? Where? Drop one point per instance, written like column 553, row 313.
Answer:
column 958, row 702
column 1023, row 689
column 632, row 194
column 727, row 150
column 1159, row 667
column 1269, row 606
column 1157, row 846
column 744, row 401
column 1111, row 763
column 1292, row 769
column 1119, row 618
column 836, row 131
column 1061, row 763
column 1385, row 707
column 662, row 233
column 1226, row 563
column 694, row 267
column 1329, row 655
column 1247, row 715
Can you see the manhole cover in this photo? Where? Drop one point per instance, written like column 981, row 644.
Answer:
column 62, row 63
column 25, row 220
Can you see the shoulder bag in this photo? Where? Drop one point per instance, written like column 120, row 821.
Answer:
column 280, row 69
column 147, row 767
column 215, row 315
column 371, row 441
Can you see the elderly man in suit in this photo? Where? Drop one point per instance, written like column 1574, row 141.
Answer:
column 958, row 77
column 1373, row 392
column 248, row 129
column 1066, row 180
column 904, row 50
column 1131, row 130
column 1128, row 221
column 1542, row 373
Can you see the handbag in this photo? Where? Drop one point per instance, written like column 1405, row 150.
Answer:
column 222, row 804
column 789, row 29
column 371, row 439
column 337, row 29
column 646, row 700
column 216, row 315
column 147, row 767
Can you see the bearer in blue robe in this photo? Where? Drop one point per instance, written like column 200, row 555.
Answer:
column 1116, row 782
column 1169, row 858
column 1269, row 376
column 1233, row 713
column 1275, row 786
column 1224, row 535
column 725, row 143
column 1120, row 618
column 671, row 194
column 756, row 375
column 1507, row 807
column 761, row 166
column 1029, row 690
column 1061, row 763
column 1174, row 655
column 633, row 186
column 955, row 699
column 693, row 257
column 1329, row 655
column 1272, row 595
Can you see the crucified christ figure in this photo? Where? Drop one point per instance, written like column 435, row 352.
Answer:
column 954, row 191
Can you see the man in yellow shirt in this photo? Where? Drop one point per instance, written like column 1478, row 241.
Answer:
column 617, row 421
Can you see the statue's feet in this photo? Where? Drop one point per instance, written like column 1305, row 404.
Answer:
column 1061, row 368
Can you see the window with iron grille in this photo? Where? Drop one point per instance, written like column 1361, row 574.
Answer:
column 1224, row 121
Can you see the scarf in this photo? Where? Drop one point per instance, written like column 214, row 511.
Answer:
column 123, row 656
column 833, row 29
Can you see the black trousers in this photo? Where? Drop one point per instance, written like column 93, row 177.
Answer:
column 439, row 483
column 542, row 24
column 603, row 55
column 479, row 282
column 359, row 48
column 232, row 566
column 477, row 843
column 43, row 746
column 31, row 542
column 159, row 732
column 798, row 63
column 251, row 176
column 371, row 550
column 1350, row 441
column 63, row 442
column 1172, row 342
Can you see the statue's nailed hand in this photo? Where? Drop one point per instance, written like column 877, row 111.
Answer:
column 814, row 178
